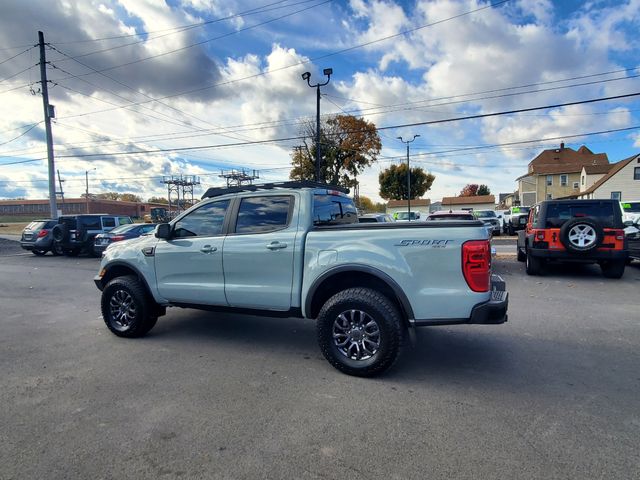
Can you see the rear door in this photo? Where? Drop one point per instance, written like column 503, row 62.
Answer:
column 259, row 252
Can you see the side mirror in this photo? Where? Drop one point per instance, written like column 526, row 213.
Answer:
column 163, row 231
column 629, row 223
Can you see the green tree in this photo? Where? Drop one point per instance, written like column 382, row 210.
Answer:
column 129, row 197
column 158, row 200
column 393, row 182
column 349, row 145
column 484, row 190
column 109, row 195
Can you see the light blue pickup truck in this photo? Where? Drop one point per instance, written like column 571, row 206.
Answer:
column 296, row 249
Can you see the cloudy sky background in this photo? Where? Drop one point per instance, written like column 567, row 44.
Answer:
column 138, row 75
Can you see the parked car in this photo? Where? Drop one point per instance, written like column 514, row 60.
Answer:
column 515, row 219
column 75, row 233
column 584, row 231
column 501, row 214
column 406, row 216
column 451, row 215
column 631, row 210
column 632, row 235
column 375, row 218
column 297, row 249
column 123, row 232
column 37, row 238
column 490, row 219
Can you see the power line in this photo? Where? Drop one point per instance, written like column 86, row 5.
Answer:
column 17, row 55
column 23, row 133
column 16, row 74
column 203, row 41
column 140, row 93
column 303, row 62
column 174, row 30
column 297, row 138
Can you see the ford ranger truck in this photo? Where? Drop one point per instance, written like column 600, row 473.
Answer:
column 296, row 249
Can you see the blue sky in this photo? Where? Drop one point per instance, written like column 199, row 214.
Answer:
column 140, row 75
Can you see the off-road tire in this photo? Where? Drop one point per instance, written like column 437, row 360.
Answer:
column 386, row 317
column 522, row 256
column 534, row 265
column 125, row 291
column 60, row 232
column 510, row 229
column 612, row 268
column 93, row 253
column 588, row 223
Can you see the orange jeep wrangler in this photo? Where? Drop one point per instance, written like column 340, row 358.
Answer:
column 585, row 231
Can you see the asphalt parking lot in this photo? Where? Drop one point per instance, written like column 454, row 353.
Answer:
column 554, row 393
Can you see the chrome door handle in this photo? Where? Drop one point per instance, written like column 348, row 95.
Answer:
column 276, row 246
column 208, row 249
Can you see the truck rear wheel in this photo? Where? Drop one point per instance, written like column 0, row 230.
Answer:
column 126, row 307
column 360, row 332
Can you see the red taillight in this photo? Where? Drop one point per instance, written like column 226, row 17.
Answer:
column 42, row 233
column 476, row 264
column 117, row 238
column 540, row 236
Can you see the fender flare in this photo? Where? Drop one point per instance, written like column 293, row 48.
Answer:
column 380, row 275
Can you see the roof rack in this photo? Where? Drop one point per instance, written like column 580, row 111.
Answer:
column 217, row 191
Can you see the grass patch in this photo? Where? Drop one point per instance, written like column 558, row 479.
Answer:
column 14, row 228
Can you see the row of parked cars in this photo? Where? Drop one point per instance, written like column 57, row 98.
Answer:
column 73, row 234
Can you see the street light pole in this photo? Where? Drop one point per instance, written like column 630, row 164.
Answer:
column 408, row 174
column 86, row 193
column 306, row 76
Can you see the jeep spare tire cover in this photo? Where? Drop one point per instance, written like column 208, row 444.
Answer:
column 59, row 232
column 581, row 234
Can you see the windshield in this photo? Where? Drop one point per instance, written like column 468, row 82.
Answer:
column 405, row 216
column 520, row 209
column 123, row 228
column 485, row 214
column 461, row 216
column 631, row 207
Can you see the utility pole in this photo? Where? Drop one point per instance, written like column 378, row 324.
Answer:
column 306, row 76
column 48, row 113
column 408, row 174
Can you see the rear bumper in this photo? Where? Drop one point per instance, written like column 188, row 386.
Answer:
column 586, row 257
column 491, row 312
column 39, row 244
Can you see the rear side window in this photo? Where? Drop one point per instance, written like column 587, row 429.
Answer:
column 108, row 222
column 559, row 213
column 263, row 214
column 90, row 223
column 124, row 220
column 333, row 210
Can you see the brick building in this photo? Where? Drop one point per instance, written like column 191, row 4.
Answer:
column 40, row 208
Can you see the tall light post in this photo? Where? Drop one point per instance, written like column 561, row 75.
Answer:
column 306, row 76
column 408, row 174
column 86, row 193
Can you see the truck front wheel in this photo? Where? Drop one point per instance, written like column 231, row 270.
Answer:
column 360, row 332
column 126, row 307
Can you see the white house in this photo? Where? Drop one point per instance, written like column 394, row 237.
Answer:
column 622, row 182
column 592, row 173
column 417, row 205
column 477, row 202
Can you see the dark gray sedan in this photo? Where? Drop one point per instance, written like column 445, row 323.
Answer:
column 123, row 232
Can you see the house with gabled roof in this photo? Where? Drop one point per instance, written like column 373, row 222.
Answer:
column 621, row 182
column 556, row 173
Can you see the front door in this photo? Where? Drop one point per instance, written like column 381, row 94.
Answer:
column 189, row 265
column 259, row 251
